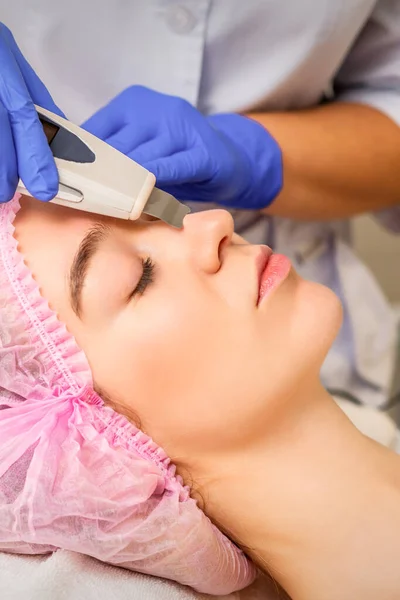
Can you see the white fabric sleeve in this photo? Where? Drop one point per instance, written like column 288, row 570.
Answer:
column 371, row 72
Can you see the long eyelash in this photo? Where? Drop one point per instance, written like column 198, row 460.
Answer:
column 147, row 277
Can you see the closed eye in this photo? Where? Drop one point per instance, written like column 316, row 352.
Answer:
column 147, row 278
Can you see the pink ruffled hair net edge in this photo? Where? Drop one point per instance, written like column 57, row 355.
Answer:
column 74, row 474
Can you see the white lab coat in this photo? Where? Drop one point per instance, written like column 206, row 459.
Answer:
column 235, row 55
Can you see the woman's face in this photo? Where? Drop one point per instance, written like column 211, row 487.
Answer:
column 171, row 324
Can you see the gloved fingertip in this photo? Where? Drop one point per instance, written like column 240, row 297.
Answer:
column 44, row 186
column 5, row 198
column 46, row 195
column 7, row 192
column 8, row 178
column 40, row 193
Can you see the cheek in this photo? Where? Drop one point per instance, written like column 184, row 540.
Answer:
column 181, row 367
column 151, row 356
column 196, row 372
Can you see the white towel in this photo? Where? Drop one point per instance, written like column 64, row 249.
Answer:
column 70, row 576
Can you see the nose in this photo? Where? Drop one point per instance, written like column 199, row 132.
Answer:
column 207, row 233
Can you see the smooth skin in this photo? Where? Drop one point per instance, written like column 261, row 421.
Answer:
column 230, row 389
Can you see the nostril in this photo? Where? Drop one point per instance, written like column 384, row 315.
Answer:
column 221, row 247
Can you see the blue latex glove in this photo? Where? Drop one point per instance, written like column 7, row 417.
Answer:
column 228, row 159
column 24, row 151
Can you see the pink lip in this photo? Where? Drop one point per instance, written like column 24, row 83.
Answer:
column 262, row 260
column 272, row 270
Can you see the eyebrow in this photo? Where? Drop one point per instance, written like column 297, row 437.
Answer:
column 80, row 266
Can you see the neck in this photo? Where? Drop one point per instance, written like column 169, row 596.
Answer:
column 316, row 504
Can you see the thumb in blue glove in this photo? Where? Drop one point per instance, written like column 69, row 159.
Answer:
column 24, row 151
column 228, row 159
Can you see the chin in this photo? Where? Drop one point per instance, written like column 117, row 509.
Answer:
column 320, row 316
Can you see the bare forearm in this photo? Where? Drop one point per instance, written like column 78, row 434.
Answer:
column 339, row 160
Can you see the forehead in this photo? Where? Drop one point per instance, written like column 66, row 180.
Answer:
column 37, row 219
column 53, row 233
column 52, row 219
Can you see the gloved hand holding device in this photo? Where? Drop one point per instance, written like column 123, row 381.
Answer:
column 226, row 158
column 24, row 151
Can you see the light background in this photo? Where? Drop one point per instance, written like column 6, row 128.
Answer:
column 380, row 250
